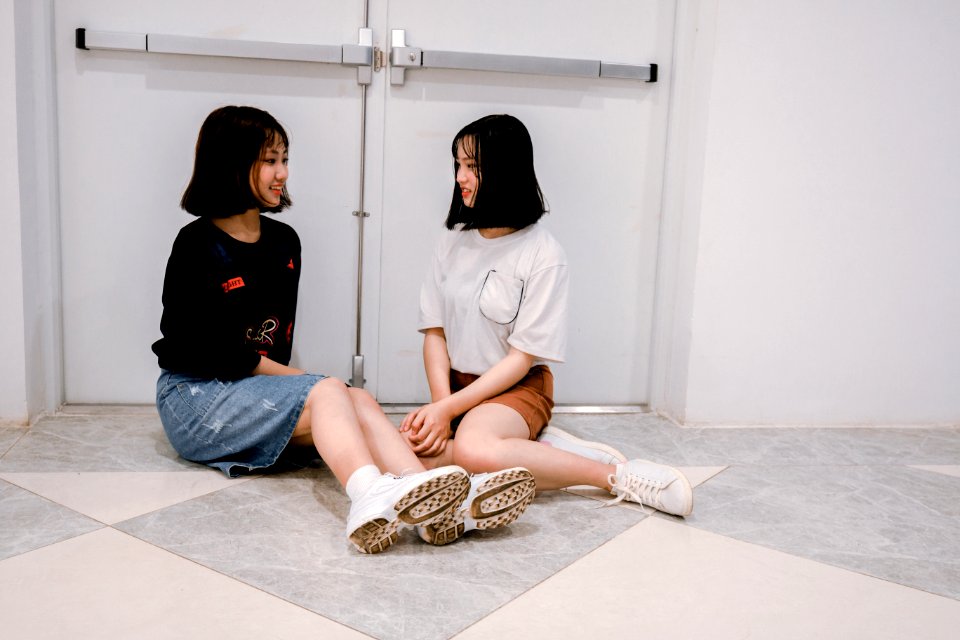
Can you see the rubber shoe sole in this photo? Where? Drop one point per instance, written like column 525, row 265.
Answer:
column 423, row 505
column 498, row 499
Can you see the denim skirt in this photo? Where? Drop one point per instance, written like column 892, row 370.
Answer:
column 236, row 426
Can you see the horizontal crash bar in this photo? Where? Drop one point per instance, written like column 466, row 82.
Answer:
column 511, row 64
column 404, row 56
column 196, row 46
column 114, row 40
column 411, row 57
column 351, row 54
column 628, row 71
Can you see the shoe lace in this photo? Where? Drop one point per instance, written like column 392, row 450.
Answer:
column 635, row 488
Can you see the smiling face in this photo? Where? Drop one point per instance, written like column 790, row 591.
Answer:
column 269, row 175
column 468, row 176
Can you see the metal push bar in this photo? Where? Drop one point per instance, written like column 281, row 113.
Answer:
column 351, row 55
column 403, row 57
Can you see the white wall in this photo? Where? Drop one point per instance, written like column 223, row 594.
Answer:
column 808, row 269
column 825, row 288
column 13, row 397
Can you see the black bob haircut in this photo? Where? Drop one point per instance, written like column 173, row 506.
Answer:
column 508, row 194
column 229, row 150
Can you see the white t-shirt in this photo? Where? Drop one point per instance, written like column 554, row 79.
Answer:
column 490, row 294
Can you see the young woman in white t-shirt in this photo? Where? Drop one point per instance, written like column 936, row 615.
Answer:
column 493, row 311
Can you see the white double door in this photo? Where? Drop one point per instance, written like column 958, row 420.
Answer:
column 128, row 122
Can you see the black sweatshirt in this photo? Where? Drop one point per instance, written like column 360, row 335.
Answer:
column 227, row 302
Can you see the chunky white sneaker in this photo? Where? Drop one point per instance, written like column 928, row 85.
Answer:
column 557, row 437
column 654, row 485
column 392, row 501
column 495, row 500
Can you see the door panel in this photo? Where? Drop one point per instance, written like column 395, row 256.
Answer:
column 599, row 153
column 128, row 122
column 127, row 126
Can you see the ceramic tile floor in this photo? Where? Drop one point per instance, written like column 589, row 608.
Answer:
column 796, row 533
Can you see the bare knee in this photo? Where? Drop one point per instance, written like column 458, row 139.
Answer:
column 484, row 438
column 319, row 393
column 476, row 452
column 324, row 391
column 362, row 398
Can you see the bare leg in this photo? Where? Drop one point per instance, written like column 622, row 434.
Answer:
column 374, row 421
column 361, row 448
column 329, row 421
column 332, row 423
column 494, row 436
column 445, row 458
column 388, row 448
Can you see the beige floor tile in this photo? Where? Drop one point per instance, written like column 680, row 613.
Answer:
column 112, row 497
column 108, row 585
column 666, row 580
column 946, row 469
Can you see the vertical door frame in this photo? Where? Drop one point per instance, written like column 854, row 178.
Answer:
column 692, row 71
column 38, row 162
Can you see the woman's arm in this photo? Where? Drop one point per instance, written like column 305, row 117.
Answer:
column 436, row 362
column 268, row 367
column 500, row 377
column 428, row 428
column 432, row 440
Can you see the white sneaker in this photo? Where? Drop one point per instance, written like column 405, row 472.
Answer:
column 418, row 499
column 495, row 500
column 655, row 485
column 556, row 437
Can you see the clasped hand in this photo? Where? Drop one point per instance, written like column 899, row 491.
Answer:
column 427, row 429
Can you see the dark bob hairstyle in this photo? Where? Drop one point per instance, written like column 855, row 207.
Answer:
column 508, row 194
column 229, row 151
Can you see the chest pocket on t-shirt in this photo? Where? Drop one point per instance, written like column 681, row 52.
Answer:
column 500, row 297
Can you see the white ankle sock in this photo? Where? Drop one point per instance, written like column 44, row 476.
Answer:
column 360, row 480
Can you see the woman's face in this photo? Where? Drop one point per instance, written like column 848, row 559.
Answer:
column 467, row 175
column 268, row 179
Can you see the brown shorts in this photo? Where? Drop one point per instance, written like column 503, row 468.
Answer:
column 532, row 397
